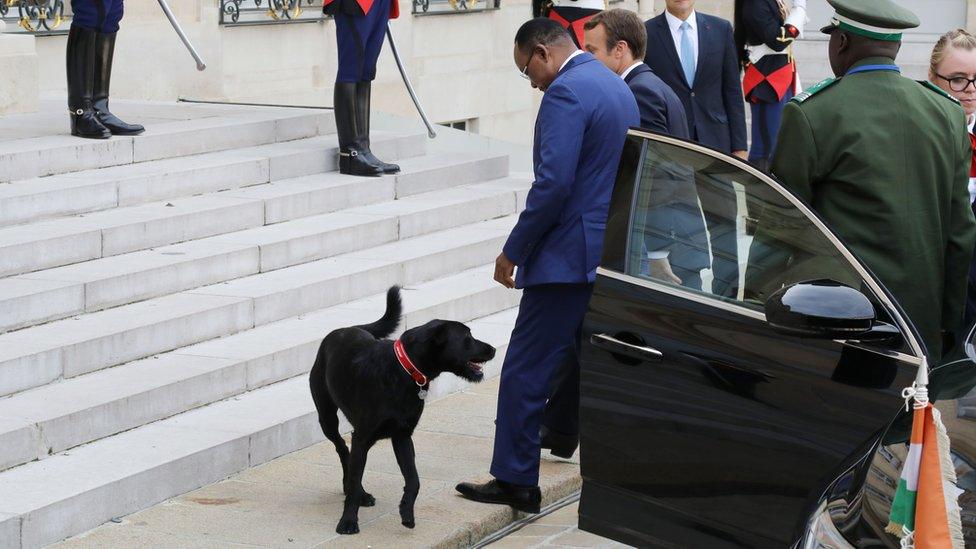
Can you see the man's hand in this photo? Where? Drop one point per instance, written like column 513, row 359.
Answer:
column 741, row 154
column 661, row 270
column 504, row 270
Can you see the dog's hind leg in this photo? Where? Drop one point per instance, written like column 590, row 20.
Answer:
column 405, row 456
column 329, row 421
column 349, row 523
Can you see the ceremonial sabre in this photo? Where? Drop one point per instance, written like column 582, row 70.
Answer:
column 406, row 80
column 179, row 30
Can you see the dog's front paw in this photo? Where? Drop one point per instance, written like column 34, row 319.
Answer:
column 348, row 526
column 367, row 500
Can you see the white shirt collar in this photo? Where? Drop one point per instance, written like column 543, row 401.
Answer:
column 675, row 23
column 630, row 68
column 970, row 122
column 566, row 62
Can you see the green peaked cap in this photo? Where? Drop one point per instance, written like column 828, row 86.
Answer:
column 877, row 19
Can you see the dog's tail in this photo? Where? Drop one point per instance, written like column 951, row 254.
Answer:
column 391, row 318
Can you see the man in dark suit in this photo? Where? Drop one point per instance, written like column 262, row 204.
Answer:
column 556, row 244
column 617, row 38
column 676, row 249
column 695, row 54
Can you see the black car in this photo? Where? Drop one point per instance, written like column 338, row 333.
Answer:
column 756, row 402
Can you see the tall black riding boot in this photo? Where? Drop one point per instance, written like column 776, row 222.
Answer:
column 363, row 90
column 104, row 52
column 80, row 57
column 352, row 161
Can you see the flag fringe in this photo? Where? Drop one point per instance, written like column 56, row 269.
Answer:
column 953, row 510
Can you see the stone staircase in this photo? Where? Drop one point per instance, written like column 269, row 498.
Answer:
column 814, row 65
column 162, row 297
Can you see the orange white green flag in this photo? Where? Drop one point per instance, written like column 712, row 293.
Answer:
column 925, row 511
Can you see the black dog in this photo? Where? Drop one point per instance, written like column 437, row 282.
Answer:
column 380, row 387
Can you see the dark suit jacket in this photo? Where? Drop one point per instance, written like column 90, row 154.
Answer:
column 660, row 109
column 715, row 108
column 579, row 133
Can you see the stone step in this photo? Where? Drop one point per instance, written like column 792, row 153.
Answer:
column 87, row 191
column 61, row 292
column 43, row 421
column 67, row 348
column 217, row 130
column 71, row 492
column 65, row 241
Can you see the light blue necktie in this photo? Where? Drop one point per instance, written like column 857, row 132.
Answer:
column 687, row 54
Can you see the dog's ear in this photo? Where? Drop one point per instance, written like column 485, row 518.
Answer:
column 441, row 335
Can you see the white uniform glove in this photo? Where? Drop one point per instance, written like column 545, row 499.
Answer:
column 798, row 16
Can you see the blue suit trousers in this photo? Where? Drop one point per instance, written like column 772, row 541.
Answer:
column 544, row 348
column 360, row 39
column 100, row 15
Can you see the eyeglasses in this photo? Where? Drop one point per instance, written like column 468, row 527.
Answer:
column 524, row 73
column 958, row 83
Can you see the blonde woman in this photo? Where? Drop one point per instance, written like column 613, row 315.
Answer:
column 953, row 69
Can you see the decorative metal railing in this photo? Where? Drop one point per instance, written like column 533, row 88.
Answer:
column 452, row 6
column 35, row 16
column 269, row 12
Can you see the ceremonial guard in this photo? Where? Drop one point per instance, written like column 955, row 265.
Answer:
column 573, row 14
column 90, row 49
column 885, row 161
column 360, row 28
column 764, row 34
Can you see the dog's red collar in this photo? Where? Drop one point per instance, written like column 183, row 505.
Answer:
column 418, row 377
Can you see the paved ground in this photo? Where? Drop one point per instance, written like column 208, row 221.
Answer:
column 295, row 501
column 557, row 529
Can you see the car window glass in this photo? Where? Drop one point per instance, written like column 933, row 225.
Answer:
column 704, row 224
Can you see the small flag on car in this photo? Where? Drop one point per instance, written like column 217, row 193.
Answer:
column 925, row 512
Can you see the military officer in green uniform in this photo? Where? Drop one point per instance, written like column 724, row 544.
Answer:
column 885, row 161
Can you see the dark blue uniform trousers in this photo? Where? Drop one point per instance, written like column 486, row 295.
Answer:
column 100, row 15
column 541, row 364
column 766, row 118
column 360, row 39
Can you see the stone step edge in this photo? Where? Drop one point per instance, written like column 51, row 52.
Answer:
column 489, row 233
column 367, row 219
column 191, row 352
column 92, row 237
column 51, row 154
column 263, row 154
column 56, row 520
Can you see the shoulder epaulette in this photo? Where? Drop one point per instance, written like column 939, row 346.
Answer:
column 936, row 89
column 815, row 89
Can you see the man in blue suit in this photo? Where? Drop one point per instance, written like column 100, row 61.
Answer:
column 556, row 245
column 695, row 54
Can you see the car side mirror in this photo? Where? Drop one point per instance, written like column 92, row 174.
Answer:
column 821, row 309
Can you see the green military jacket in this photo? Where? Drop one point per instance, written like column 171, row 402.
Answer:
column 885, row 161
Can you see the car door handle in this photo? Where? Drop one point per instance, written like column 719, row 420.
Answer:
column 614, row 345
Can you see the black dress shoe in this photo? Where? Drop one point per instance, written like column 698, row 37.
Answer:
column 523, row 498
column 558, row 444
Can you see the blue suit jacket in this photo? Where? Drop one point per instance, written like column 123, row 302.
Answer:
column 660, row 109
column 714, row 106
column 579, row 137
